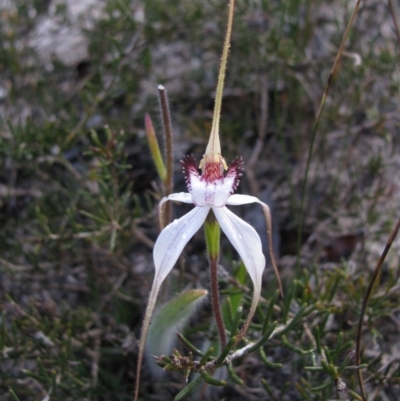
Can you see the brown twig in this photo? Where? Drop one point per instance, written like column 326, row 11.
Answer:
column 317, row 120
column 365, row 302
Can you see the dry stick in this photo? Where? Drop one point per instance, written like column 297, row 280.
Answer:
column 314, row 132
column 166, row 116
column 394, row 12
column 365, row 301
column 268, row 221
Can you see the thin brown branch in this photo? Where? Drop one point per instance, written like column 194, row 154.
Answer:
column 365, row 302
column 318, row 118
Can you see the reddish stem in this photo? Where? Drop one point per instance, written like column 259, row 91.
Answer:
column 215, row 301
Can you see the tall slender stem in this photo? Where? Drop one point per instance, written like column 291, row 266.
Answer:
column 216, row 302
column 212, row 233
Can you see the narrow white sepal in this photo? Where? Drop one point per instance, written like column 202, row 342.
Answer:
column 245, row 240
column 172, row 240
column 236, row 200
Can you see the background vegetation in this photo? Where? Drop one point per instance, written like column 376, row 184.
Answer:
column 78, row 189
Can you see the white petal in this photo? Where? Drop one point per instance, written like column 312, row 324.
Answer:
column 180, row 197
column 173, row 238
column 237, row 199
column 245, row 240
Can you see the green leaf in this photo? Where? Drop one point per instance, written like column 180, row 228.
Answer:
column 171, row 318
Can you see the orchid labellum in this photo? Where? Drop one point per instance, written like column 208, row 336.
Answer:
column 210, row 191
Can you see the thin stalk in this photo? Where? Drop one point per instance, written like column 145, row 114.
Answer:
column 316, row 124
column 145, row 328
column 365, row 302
column 166, row 117
column 268, row 221
column 216, row 302
column 252, row 311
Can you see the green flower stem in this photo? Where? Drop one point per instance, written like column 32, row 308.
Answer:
column 212, row 233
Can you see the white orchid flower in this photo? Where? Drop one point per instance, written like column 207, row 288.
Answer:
column 210, row 192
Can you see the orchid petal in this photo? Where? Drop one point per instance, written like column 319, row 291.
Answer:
column 236, row 200
column 173, row 239
column 245, row 240
column 180, row 197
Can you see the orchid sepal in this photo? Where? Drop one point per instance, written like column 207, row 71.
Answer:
column 245, row 240
column 173, row 238
column 237, row 199
column 247, row 243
